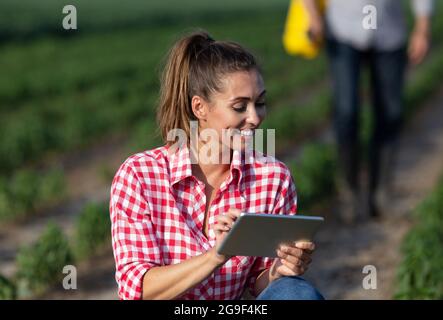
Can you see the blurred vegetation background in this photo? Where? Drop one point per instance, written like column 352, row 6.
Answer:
column 66, row 93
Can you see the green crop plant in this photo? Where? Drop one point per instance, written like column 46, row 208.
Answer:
column 314, row 174
column 41, row 264
column 8, row 291
column 420, row 274
column 93, row 229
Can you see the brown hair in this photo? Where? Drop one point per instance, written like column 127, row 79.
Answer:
column 195, row 66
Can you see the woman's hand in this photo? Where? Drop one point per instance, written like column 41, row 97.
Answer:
column 293, row 260
column 222, row 226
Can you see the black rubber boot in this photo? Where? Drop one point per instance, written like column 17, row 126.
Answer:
column 381, row 176
column 348, row 183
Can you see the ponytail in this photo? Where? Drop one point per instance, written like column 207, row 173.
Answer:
column 195, row 66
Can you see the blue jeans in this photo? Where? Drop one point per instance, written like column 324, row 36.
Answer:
column 290, row 288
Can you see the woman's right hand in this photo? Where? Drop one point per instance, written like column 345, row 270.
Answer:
column 222, row 226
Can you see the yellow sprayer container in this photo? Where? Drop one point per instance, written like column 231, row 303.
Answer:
column 296, row 40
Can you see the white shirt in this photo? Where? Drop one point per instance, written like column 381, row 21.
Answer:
column 345, row 20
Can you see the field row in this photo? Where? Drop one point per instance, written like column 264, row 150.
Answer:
column 28, row 19
column 292, row 124
column 420, row 274
column 84, row 96
column 40, row 265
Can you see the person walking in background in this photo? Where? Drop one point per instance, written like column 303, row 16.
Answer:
column 385, row 49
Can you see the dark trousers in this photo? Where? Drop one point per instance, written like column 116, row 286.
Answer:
column 387, row 69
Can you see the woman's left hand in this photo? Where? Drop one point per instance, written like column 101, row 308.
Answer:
column 293, row 260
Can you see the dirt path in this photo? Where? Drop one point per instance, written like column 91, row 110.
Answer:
column 344, row 251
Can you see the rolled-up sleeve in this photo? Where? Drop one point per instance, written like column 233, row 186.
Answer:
column 422, row 7
column 286, row 203
column 133, row 234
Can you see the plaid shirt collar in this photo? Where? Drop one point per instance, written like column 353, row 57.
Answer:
column 180, row 165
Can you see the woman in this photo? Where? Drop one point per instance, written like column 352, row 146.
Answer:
column 171, row 207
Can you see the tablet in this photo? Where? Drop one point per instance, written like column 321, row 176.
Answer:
column 257, row 234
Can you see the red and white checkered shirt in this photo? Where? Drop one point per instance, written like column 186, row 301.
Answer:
column 157, row 211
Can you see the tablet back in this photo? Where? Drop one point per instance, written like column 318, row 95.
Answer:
column 260, row 234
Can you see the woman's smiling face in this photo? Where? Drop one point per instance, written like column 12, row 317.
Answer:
column 237, row 110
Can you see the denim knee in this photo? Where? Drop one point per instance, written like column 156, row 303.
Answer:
column 290, row 288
